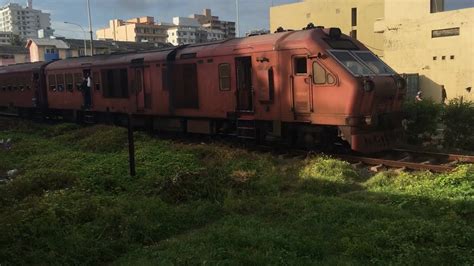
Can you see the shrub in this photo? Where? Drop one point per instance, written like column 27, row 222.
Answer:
column 423, row 118
column 458, row 117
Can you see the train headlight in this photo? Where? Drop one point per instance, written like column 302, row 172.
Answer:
column 369, row 85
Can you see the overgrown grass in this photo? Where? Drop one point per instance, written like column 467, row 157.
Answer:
column 74, row 203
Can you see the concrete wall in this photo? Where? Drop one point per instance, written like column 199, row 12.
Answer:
column 35, row 54
column 333, row 13
column 125, row 33
column 410, row 48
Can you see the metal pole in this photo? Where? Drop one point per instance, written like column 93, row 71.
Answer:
column 90, row 26
column 238, row 17
column 131, row 145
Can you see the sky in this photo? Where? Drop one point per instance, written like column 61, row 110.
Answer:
column 254, row 14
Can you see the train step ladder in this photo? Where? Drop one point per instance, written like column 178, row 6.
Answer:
column 89, row 117
column 246, row 129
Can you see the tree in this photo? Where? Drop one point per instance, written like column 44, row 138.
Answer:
column 16, row 40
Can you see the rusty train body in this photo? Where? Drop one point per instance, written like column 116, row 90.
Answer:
column 308, row 87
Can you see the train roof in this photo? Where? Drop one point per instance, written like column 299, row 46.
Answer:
column 21, row 67
column 258, row 43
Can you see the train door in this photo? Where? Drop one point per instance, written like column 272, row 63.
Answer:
column 301, row 85
column 87, row 93
column 244, row 84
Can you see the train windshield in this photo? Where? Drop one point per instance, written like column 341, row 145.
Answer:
column 348, row 60
column 374, row 63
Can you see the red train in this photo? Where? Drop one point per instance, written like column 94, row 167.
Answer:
column 310, row 87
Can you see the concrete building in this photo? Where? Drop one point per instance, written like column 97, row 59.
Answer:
column 433, row 47
column 436, row 48
column 10, row 55
column 54, row 49
column 23, row 21
column 353, row 17
column 5, row 37
column 143, row 29
column 189, row 31
column 212, row 23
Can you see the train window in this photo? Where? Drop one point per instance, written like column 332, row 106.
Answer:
column 138, row 84
column 10, row 88
column 224, row 77
column 96, row 78
column 115, row 83
column 60, row 82
column 22, row 88
column 341, row 44
column 271, row 84
column 78, row 78
column 69, row 83
column 319, row 74
column 164, row 79
column 331, row 79
column 300, row 65
column 351, row 64
column 374, row 63
column 52, row 82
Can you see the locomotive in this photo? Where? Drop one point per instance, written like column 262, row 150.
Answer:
column 311, row 87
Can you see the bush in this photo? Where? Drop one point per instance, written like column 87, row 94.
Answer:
column 458, row 117
column 423, row 118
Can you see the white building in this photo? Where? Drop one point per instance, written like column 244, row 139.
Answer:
column 5, row 38
column 189, row 31
column 23, row 21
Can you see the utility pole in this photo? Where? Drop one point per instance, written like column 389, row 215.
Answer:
column 238, row 17
column 85, row 35
column 90, row 26
column 131, row 146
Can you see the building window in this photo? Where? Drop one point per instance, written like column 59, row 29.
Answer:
column 354, row 16
column 224, row 77
column 443, row 57
column 445, row 32
column 354, row 34
column 436, row 6
column 435, row 58
column 452, row 57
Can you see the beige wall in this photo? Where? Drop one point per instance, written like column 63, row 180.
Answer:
column 122, row 32
column 400, row 32
column 410, row 48
column 36, row 53
column 333, row 13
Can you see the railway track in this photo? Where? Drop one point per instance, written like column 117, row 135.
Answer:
column 402, row 159
column 410, row 160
